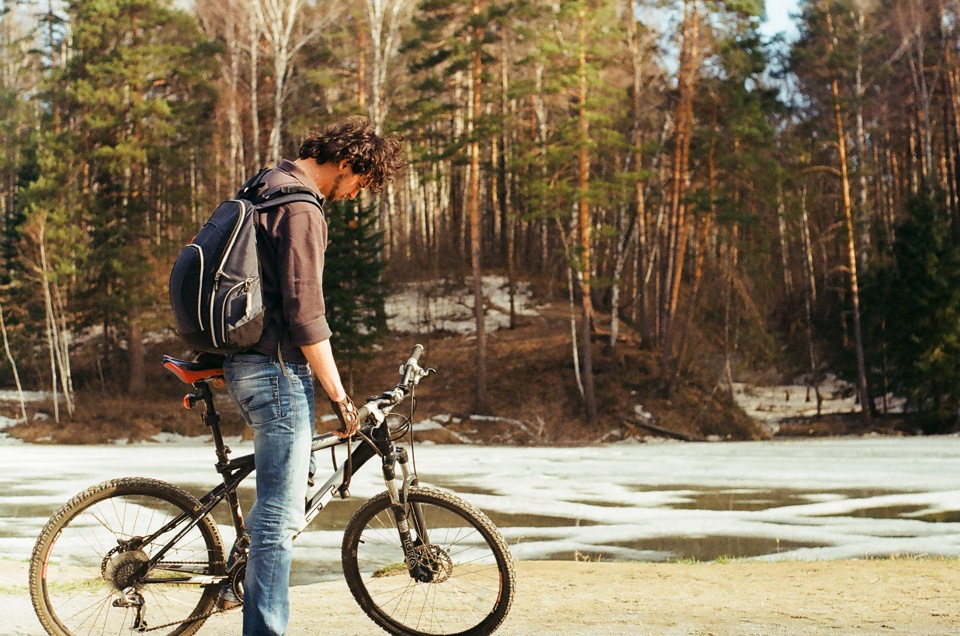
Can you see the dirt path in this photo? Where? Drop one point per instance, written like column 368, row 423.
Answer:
column 903, row 596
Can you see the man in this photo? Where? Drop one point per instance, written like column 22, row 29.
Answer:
column 271, row 382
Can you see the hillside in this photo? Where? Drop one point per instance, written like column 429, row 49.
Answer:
column 533, row 396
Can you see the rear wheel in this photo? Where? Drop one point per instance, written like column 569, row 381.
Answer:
column 86, row 573
column 461, row 579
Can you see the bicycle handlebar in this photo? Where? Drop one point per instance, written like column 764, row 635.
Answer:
column 412, row 373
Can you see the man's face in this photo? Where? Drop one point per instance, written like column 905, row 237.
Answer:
column 346, row 185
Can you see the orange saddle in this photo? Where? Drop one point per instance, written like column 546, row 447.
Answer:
column 190, row 372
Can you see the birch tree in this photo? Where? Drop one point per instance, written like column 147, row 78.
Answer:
column 282, row 24
column 384, row 19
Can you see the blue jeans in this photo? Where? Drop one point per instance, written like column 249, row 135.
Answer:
column 276, row 400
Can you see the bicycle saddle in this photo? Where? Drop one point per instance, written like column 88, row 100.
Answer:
column 190, row 372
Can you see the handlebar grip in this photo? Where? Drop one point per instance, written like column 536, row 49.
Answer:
column 410, row 364
column 363, row 413
column 415, row 356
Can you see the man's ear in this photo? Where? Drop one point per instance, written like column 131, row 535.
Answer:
column 343, row 165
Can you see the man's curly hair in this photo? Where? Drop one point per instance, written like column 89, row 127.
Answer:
column 353, row 139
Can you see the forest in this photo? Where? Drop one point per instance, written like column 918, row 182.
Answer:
column 679, row 183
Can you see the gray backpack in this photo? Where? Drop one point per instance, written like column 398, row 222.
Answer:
column 215, row 288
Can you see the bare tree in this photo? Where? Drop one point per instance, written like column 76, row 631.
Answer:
column 224, row 18
column 13, row 365
column 279, row 21
column 384, row 17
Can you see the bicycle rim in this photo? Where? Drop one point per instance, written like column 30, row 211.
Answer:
column 84, row 568
column 464, row 581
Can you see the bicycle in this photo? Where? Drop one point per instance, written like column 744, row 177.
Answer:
column 142, row 555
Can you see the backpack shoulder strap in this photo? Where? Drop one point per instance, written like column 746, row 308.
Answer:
column 286, row 194
column 251, row 187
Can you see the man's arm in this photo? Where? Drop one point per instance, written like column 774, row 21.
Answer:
column 320, row 357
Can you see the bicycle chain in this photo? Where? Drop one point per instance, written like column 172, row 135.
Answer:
column 189, row 619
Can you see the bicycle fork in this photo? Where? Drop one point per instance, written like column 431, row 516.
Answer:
column 415, row 548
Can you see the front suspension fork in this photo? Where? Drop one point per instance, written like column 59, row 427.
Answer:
column 400, row 507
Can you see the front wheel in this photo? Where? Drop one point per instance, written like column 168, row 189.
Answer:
column 89, row 572
column 458, row 579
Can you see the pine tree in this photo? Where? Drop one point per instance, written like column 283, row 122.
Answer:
column 116, row 160
column 912, row 310
column 353, row 287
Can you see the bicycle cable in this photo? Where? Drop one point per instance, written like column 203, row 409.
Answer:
column 413, row 408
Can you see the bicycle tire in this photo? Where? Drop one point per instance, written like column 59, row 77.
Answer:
column 78, row 566
column 473, row 572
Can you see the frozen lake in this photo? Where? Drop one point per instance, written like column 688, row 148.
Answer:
column 808, row 500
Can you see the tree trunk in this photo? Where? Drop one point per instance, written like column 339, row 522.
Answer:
column 678, row 227
column 782, row 231
column 13, row 366
column 362, row 71
column 809, row 290
column 254, row 88
column 237, row 168
column 136, row 382
column 851, row 245
column 637, row 224
column 480, row 405
column 280, row 63
column 51, row 322
column 701, row 248
column 583, row 231
column 506, row 187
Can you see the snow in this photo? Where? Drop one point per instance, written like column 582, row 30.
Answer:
column 28, row 396
column 441, row 306
column 772, row 404
column 810, row 500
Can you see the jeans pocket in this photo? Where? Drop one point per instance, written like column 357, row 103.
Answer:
column 259, row 399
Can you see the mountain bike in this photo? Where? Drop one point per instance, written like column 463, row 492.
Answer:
column 144, row 556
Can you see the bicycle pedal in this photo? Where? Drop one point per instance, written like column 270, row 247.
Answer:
column 228, row 602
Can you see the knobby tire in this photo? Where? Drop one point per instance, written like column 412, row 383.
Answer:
column 472, row 572
column 78, row 564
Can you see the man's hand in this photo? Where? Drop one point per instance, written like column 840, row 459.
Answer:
column 346, row 412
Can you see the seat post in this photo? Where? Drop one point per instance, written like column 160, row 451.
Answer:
column 211, row 417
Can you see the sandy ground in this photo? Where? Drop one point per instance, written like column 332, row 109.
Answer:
column 900, row 596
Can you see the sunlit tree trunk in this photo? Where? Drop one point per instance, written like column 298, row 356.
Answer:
column 479, row 306
column 851, row 245
column 678, row 226
column 54, row 335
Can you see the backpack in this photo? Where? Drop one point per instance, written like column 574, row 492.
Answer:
column 215, row 287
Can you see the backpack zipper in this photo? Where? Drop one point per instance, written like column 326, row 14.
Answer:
column 223, row 259
column 200, row 286
column 223, row 313
column 213, row 299
column 233, row 239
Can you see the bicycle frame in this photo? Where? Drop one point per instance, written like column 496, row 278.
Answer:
column 234, row 471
